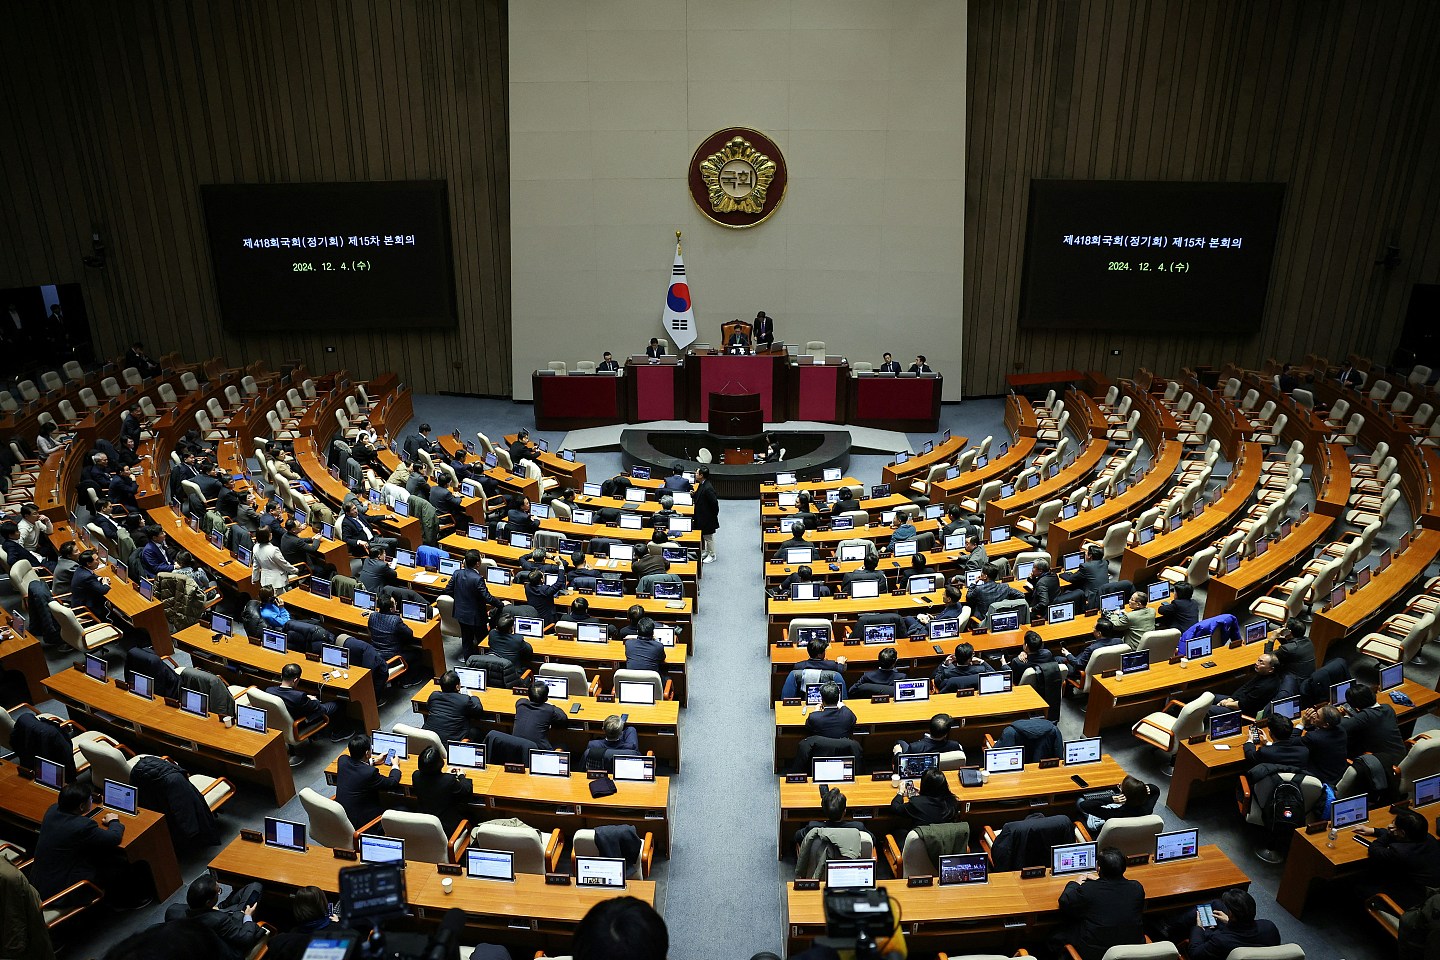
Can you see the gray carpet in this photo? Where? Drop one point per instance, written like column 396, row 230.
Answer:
column 721, row 891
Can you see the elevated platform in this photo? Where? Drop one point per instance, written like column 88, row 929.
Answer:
column 806, row 452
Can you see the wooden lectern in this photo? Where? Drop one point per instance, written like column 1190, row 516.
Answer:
column 736, row 415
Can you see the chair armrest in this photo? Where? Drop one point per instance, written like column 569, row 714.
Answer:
column 1070, row 953
column 553, row 848
column 1177, row 704
column 594, row 687
column 1082, row 833
column 987, row 837
column 368, row 828
column 459, row 840
column 989, row 741
column 669, row 691
column 647, row 854
column 892, row 855
column 92, row 895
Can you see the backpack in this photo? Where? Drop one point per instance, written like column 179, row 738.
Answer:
column 1287, row 803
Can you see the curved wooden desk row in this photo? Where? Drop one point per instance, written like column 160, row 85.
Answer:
column 915, row 467
column 22, row 655
column 658, row 724
column 1006, row 797
column 1008, row 912
column 525, row 912
column 563, row 803
column 23, row 804
column 567, row 473
column 879, row 725
column 1021, row 424
column 896, row 569
column 200, row 743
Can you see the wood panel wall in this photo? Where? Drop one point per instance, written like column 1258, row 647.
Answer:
column 1339, row 99
column 114, row 113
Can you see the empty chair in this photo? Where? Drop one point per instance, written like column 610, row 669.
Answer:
column 1165, row 731
column 557, row 367
column 1419, row 375
column 28, row 391
column 132, row 376
column 248, row 384
column 534, row 852
column 74, row 371
column 110, row 387
column 51, row 381
column 424, row 836
column 166, row 393
column 662, row 689
column 418, row 738
column 1131, row 835
column 1337, row 414
column 815, row 348
column 861, row 366
column 574, row 676
column 585, row 366
column 189, row 383
column 82, row 638
column 330, row 825
column 1379, row 390
column 1286, row 951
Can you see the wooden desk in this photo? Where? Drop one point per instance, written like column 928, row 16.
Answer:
column 879, row 725
column 773, row 513
column 23, row 804
column 769, row 492
column 1007, row 797
column 585, row 531
column 1311, row 858
column 526, row 912
column 22, row 653
column 1255, row 574
column 509, row 557
column 1001, row 510
column 548, row 803
column 917, row 466
column 1008, row 912
column 238, row 660
column 202, row 742
column 569, row 473
column 657, row 724
column 347, row 618
column 999, row 467
column 1333, row 625
column 383, row 520
column 1201, row 767
column 603, row 659
column 1116, row 700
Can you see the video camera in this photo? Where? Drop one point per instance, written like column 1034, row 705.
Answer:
column 858, row 920
column 369, row 895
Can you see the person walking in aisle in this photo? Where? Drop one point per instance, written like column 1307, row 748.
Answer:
column 707, row 514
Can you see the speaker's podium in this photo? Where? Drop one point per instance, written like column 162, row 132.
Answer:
column 736, row 415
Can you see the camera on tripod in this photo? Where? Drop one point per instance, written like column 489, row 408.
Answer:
column 858, row 920
column 369, row 895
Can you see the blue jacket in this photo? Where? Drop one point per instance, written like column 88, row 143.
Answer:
column 154, row 559
column 1228, row 626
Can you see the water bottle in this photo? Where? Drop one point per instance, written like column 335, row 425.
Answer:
column 1330, row 837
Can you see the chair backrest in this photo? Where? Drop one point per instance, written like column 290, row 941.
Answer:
column 861, row 366
column 248, row 384
column 576, row 682
column 70, row 630
column 74, row 371
column 106, row 761
column 7, row 727
column 585, row 366
column 641, row 676
column 188, row 381
column 1004, row 606
column 1132, row 835
column 1286, row 951
column 1116, row 536
column 28, row 390
column 330, row 826
column 1164, row 950
column 1105, row 660
column 525, row 843
column 557, row 367
column 419, row 738
column 51, row 380
column 1191, row 720
column 1422, row 761
column 424, row 836
column 110, row 386
column 165, row 391
column 277, row 714
column 816, row 348
column 1162, row 644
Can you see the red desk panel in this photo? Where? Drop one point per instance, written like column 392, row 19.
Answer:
column 655, row 392
column 895, row 403
column 565, row 403
column 737, row 374
column 819, row 388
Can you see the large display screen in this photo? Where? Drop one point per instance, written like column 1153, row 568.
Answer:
column 331, row 256
column 1149, row 256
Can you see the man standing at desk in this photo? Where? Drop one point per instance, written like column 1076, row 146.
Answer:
column 764, row 331
column 472, row 602
column 889, row 364
column 707, row 514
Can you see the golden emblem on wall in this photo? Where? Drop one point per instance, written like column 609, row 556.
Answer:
column 737, row 177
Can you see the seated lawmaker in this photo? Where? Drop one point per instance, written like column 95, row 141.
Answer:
column 1257, row 692
column 302, row 705
column 920, row 365
column 1181, row 613
column 988, row 591
column 1370, row 727
column 936, row 739
column 1132, row 798
column 1235, row 927
column 607, row 364
column 1033, row 653
column 804, row 574
column 1404, row 858
column 655, row 348
column 870, row 572
column 960, row 670
column 889, row 364
column 1284, row 749
column 445, row 796
column 833, row 804
column 880, row 682
column 536, row 716
column 620, row 739
column 738, row 340
column 358, row 783
column 932, row 803
column 833, row 719
column 451, row 714
column 797, row 539
column 1102, row 910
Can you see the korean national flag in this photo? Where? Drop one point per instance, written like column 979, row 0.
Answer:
column 679, row 317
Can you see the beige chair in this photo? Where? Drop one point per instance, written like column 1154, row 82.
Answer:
column 418, row 738
column 1195, row 572
column 664, row 689
column 585, row 846
column 1385, row 646
column 557, row 367
column 248, row 384
column 1162, row 644
column 84, row 639
column 296, row 732
column 189, row 383
column 1164, row 950
column 330, row 825
column 1102, row 661
column 1423, row 760
column 449, row 626
column 1286, row 951
column 424, row 836
column 166, row 393
column 585, row 366
column 79, row 736
column 1165, row 732
column 913, row 860
column 576, row 683
column 810, row 623
column 534, row 852
column 74, row 371
column 1132, row 836
column 110, row 387
column 112, row 761
column 1271, row 607
column 815, row 348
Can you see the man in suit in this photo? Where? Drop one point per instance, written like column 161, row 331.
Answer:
column 920, row 366
column 66, row 566
column 707, row 514
column 523, row 450
column 1348, row 376
column 738, row 341
column 936, row 739
column 804, row 575
column 1042, row 588
column 676, row 480
column 72, row 847
column 959, row 670
column 392, row 636
column 1296, row 651
column 643, row 651
column 1405, row 858
column 889, row 364
column 536, row 716
column 377, row 576
column 1235, row 926
column 131, row 422
column 443, row 795
column 541, row 595
column 210, row 485
column 505, row 643
column 135, row 357
column 1325, row 744
column 472, row 602
column 88, row 590
column 297, row 549
column 1370, row 727
column 1284, row 748
column 1103, row 909
column 881, row 680
column 102, row 516
column 420, row 440
column 655, row 348
column 764, row 331
column 870, row 572
column 1083, row 586
column 619, row 738
column 302, row 705
column 153, row 556
column 833, row 719
column 518, row 518
column 97, row 474
column 797, row 539
column 442, row 497
column 1033, row 653
column 358, row 783
column 987, row 592
column 1181, row 613
column 607, row 365
column 452, row 714
column 357, row 533
column 232, row 921
column 1257, row 692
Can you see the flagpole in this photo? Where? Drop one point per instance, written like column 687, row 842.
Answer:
column 677, row 242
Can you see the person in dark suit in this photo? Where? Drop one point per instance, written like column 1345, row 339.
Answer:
column 209, row 484
column 932, row 803
column 936, row 739
column 232, row 920
column 764, row 331
column 541, row 595
column 707, row 514
column 1033, row 653
column 522, row 449
column 472, row 602
column 72, row 847
column 1235, row 926
column 504, row 642
column 452, row 714
column 1284, row 747
column 132, row 422
column 438, row 793
column 310, row 911
column 920, row 366
column 1132, row 798
column 815, row 658
column 87, row 590
column 1370, row 727
column 15, row 550
column 643, row 651
column 392, row 636
column 1325, row 745
column 1102, row 910
column 1106, row 634
column 655, row 348
column 1348, row 376
column 442, row 497
column 358, row 783
column 154, row 558
column 376, row 574
column 1405, row 858
column 959, row 670
column 1296, row 651
column 803, row 574
column 518, row 519
column 359, row 535
column 1083, row 586
column 97, row 474
column 135, row 357
column 620, row 739
column 987, row 591
column 738, row 340
column 536, row 716
column 889, row 364
column 1041, row 588
column 1288, row 380
column 302, row 705
column 1181, row 613
column 870, row 572
column 1255, row 693
column 297, row 549
column 833, row 719
column 676, row 480
column 420, row 440
column 607, row 365
column 880, row 681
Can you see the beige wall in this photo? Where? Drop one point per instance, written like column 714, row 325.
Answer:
column 609, row 99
